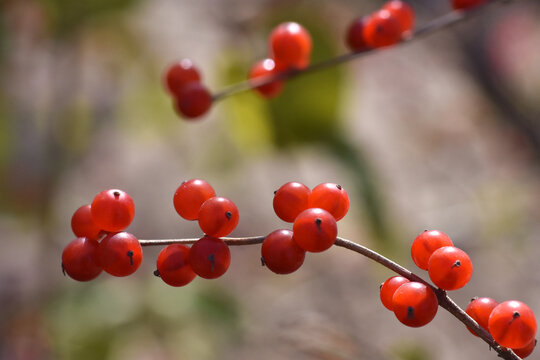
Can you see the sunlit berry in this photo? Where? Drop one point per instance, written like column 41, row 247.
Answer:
column 382, row 29
column 290, row 200
column 190, row 196
column 173, row 265
column 403, row 12
column 120, row 254
column 112, row 210
column 512, row 324
column 480, row 309
column 414, row 304
column 330, row 197
column 450, row 268
column 425, row 244
column 388, row 288
column 266, row 68
column 218, row 216
column 290, row 45
column 315, row 230
column 210, row 257
column 179, row 74
column 280, row 253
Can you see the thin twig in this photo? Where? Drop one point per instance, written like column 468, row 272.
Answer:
column 444, row 300
column 437, row 24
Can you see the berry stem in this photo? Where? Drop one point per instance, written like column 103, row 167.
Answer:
column 444, row 300
column 435, row 25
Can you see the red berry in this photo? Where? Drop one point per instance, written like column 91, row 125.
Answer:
column 189, row 197
column 280, row 253
column 355, row 35
column 173, row 265
column 210, row 257
column 218, row 216
column 180, row 74
column 512, row 324
column 82, row 223
column 382, row 29
column 388, row 288
column 480, row 309
column 266, row 67
column 193, row 100
column 79, row 259
column 467, row 4
column 526, row 350
column 112, row 210
column 120, row 254
column 315, row 230
column 425, row 244
column 290, row 200
column 415, row 304
column 403, row 12
column 290, row 45
column 330, row 197
column 450, row 268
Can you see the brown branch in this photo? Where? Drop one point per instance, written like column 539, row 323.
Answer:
column 444, row 300
column 435, row 25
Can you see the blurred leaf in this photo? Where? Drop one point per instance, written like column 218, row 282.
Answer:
column 66, row 16
column 411, row 351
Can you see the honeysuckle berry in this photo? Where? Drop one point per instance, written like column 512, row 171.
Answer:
column 179, row 74
column 425, row 244
column 218, row 216
column 450, row 268
column 290, row 200
column 403, row 13
column 330, row 197
column 280, row 253
column 414, row 304
column 480, row 309
column 315, row 230
column 512, row 324
column 209, row 257
column 382, row 29
column 190, row 196
column 193, row 100
column 173, row 266
column 290, row 46
column 388, row 288
column 112, row 210
column 266, row 67
column 120, row 254
column 82, row 223
column 79, row 259
column 355, row 39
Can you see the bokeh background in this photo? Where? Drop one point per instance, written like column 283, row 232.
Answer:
column 441, row 133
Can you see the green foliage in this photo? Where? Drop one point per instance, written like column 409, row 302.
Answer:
column 66, row 16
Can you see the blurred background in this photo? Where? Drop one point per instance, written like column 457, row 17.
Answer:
column 441, row 133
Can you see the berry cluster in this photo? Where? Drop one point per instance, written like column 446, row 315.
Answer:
column 183, row 82
column 101, row 243
column 314, row 214
column 290, row 48
column 384, row 27
column 512, row 323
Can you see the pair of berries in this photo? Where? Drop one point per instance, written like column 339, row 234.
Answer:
column 449, row 268
column 118, row 253
column 183, row 82
column 314, row 214
column 209, row 257
column 290, row 48
column 384, row 27
column 414, row 304
column 511, row 323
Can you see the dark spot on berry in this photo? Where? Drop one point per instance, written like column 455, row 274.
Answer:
column 212, row 260
column 339, row 187
column 116, row 194
column 318, row 222
column 130, row 255
column 410, row 313
column 156, row 273
column 63, row 269
column 228, row 214
column 457, row 264
column 262, row 261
